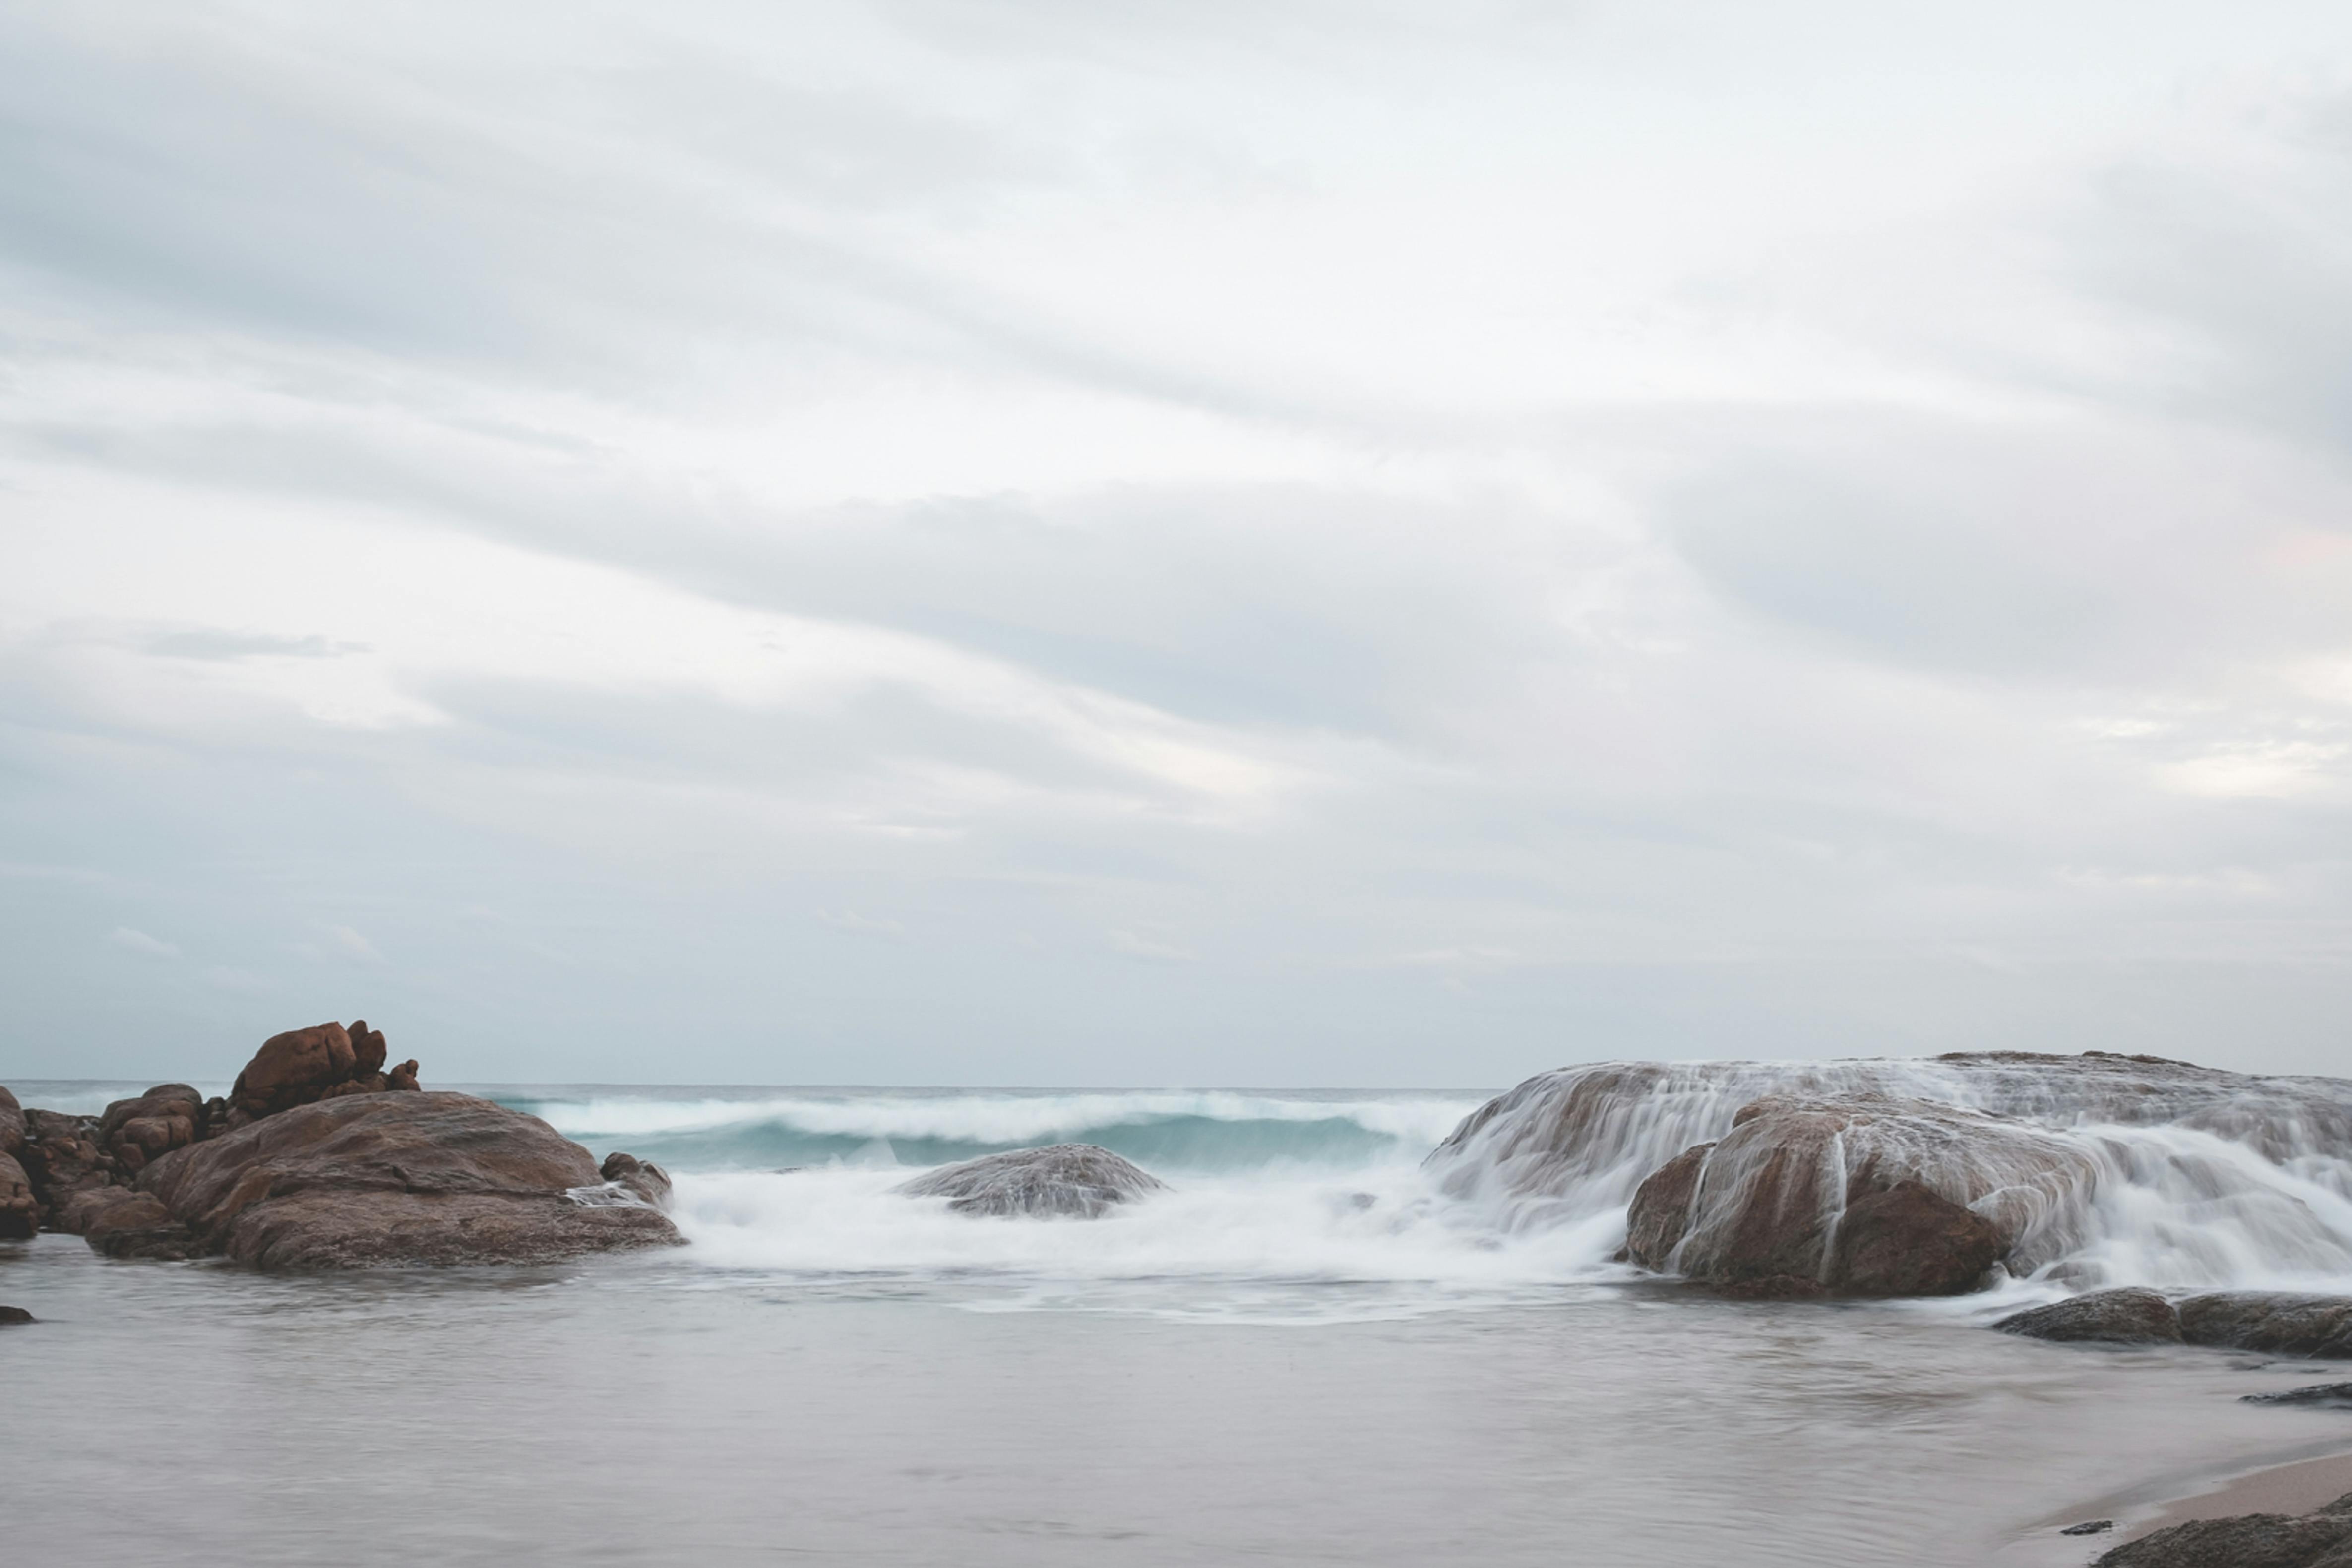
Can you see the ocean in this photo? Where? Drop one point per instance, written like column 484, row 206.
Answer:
column 1310, row 1350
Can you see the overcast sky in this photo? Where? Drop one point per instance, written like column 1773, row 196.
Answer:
column 1055, row 542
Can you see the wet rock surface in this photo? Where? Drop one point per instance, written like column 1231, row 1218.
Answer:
column 1805, row 1197
column 1073, row 1179
column 370, row 1180
column 10, row 1316
column 2321, row 1539
column 2130, row 1316
column 2271, row 1323
column 642, row 1179
column 2323, row 1396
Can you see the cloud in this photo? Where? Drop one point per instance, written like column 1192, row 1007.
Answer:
column 1744, row 534
column 136, row 941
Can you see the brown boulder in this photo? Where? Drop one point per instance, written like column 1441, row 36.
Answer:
column 2271, row 1323
column 14, row 1315
column 168, row 1116
column 403, row 1077
column 367, row 1049
column 382, row 1179
column 122, row 1223
column 1862, row 1195
column 12, row 1125
column 20, row 1211
column 294, row 1069
column 2127, row 1316
column 62, row 1158
column 1660, row 1217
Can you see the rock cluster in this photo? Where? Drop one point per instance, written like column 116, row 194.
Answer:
column 1078, row 1180
column 2129, row 1316
column 2321, row 1539
column 321, row 1157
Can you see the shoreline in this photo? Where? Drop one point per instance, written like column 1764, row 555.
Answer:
column 2314, row 1474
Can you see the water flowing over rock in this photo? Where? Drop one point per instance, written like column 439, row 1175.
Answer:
column 2321, row 1539
column 1076, row 1179
column 2323, row 1396
column 642, row 1180
column 368, row 1180
column 1843, row 1175
column 2127, row 1316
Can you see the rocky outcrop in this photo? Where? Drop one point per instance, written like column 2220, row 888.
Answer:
column 304, row 1066
column 2271, row 1323
column 1862, row 1195
column 20, row 1211
column 12, row 1125
column 375, row 1179
column 1078, row 1180
column 64, row 1158
column 2103, row 1317
column 132, row 1131
column 2321, row 1539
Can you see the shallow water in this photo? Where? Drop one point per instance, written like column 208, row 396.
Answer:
column 1261, row 1366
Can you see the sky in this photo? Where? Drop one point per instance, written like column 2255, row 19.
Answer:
column 1173, row 543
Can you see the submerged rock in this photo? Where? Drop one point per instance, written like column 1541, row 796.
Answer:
column 14, row 1315
column 2129, row 1316
column 2271, row 1322
column 2326, row 1395
column 366, row 1180
column 1076, row 1179
column 2321, row 1539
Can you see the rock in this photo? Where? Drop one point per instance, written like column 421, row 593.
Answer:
column 2271, row 1323
column 294, row 1069
column 2103, row 1317
column 16, row 1315
column 168, row 1116
column 2089, row 1527
column 1076, row 1179
column 63, row 1158
column 12, row 1125
column 304, row 1066
column 370, row 1180
column 2324, row 1395
column 122, row 1223
column 649, row 1182
column 20, row 1211
column 1660, row 1216
column 1863, row 1196
column 2322, row 1539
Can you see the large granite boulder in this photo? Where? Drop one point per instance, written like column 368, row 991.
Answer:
column 20, row 1211
column 168, row 1116
column 2321, row 1539
column 1073, row 1179
column 367, row 1180
column 2129, row 1316
column 2271, row 1323
column 12, row 1124
column 1865, row 1195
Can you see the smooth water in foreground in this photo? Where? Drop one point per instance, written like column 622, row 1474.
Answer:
column 1303, row 1353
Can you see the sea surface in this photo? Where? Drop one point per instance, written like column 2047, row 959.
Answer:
column 1305, row 1353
